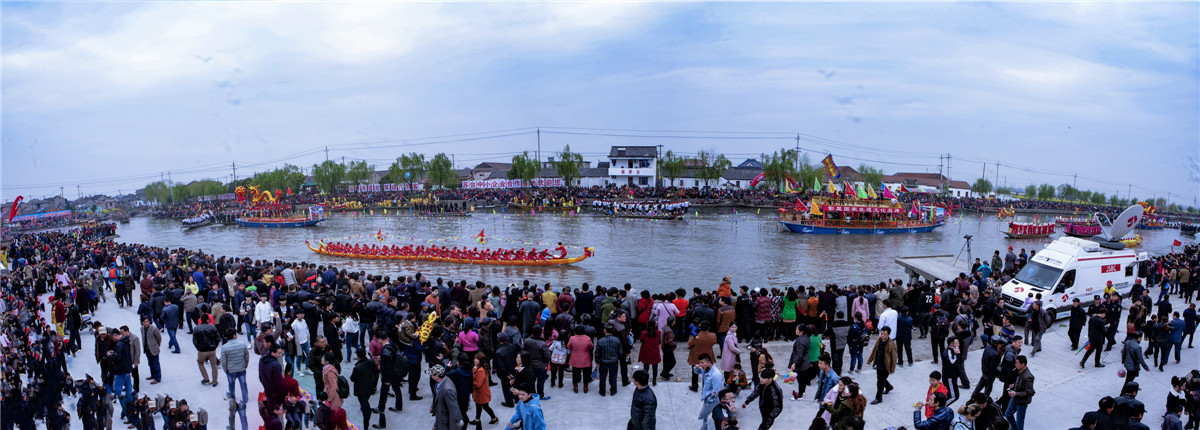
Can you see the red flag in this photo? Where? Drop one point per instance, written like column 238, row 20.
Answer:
column 800, row 207
column 1177, row 243
column 379, row 235
column 480, row 237
column 289, row 191
column 13, row 212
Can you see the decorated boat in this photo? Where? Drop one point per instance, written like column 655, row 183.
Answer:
column 1132, row 242
column 1188, row 229
column 1083, row 230
column 373, row 252
column 1029, row 229
column 642, row 209
column 198, row 221
column 1152, row 222
column 275, row 219
column 825, row 215
column 658, row 216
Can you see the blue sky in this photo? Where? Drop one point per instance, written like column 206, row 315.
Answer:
column 110, row 95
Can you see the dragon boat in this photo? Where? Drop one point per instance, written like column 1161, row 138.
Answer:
column 1028, row 229
column 320, row 249
column 859, row 216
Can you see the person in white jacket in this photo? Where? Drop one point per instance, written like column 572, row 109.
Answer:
column 300, row 330
column 262, row 311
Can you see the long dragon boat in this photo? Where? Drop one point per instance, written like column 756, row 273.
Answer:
column 320, row 249
column 1028, row 229
column 860, row 216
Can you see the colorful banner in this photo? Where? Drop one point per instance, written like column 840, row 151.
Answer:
column 512, row 183
column 861, row 209
column 831, row 168
column 29, row 217
column 375, row 188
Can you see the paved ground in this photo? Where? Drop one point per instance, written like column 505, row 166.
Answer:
column 1064, row 391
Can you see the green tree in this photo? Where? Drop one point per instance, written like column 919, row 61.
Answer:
column 1134, row 201
column 180, row 193
column 158, row 192
column 359, row 172
column 1159, row 202
column 524, row 168
column 712, row 167
column 1191, row 209
column 206, row 187
column 982, row 187
column 328, row 175
column 872, row 176
column 568, row 165
column 778, row 166
column 1045, row 191
column 1115, row 200
column 1172, row 207
column 1004, row 191
column 1031, row 191
column 394, row 174
column 1099, row 198
column 415, row 165
column 807, row 172
column 441, row 171
column 671, row 167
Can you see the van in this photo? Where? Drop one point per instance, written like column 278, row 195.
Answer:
column 1070, row 268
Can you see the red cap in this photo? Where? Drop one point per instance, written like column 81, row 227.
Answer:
column 1010, row 248
column 1110, row 283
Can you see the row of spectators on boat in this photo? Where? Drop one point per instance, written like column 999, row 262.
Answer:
column 435, row 251
column 643, row 206
column 51, row 222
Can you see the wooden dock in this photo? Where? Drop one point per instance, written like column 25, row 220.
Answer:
column 934, row 267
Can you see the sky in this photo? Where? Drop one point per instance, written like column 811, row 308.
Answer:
column 107, row 97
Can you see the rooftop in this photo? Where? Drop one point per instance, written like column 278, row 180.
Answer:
column 633, row 152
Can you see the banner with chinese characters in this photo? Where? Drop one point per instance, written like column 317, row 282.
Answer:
column 512, row 183
column 860, row 209
column 229, row 196
column 375, row 188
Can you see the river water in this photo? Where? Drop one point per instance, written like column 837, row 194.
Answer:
column 652, row 255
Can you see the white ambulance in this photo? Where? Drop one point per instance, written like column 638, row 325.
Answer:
column 1070, row 268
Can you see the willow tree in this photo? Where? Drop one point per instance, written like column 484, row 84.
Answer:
column 328, row 175
column 712, row 167
column 568, row 165
column 872, row 176
column 359, row 172
column 524, row 168
column 441, row 171
column 671, row 166
column 778, row 166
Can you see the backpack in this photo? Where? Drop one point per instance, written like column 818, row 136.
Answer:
column 343, row 389
column 942, row 329
column 558, row 353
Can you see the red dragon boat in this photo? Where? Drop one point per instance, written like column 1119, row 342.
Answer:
column 439, row 255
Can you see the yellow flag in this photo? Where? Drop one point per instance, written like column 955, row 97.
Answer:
column 871, row 192
column 831, row 187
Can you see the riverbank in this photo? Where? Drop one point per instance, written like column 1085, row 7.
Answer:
column 1064, row 391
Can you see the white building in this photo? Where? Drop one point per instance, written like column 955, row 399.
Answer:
column 633, row 165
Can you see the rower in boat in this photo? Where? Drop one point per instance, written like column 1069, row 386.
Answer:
column 562, row 250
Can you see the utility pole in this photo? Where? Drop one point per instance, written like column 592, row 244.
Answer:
column 1129, row 192
column 998, row 175
column 451, row 161
column 798, row 152
column 946, row 179
column 326, row 153
column 169, row 186
column 234, row 171
column 1075, row 181
column 78, row 191
column 343, row 160
column 539, row 148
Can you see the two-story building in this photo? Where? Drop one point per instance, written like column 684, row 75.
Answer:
column 633, row 165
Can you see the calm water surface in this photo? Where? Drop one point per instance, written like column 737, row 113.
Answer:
column 653, row 255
